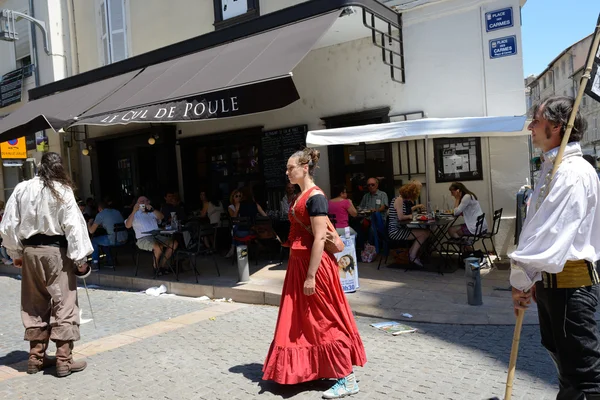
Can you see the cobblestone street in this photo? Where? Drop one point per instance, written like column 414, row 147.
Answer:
column 170, row 347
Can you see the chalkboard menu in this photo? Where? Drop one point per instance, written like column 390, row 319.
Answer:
column 277, row 146
column 11, row 87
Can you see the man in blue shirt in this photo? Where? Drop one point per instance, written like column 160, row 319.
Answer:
column 106, row 219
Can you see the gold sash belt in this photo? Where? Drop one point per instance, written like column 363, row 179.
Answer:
column 575, row 274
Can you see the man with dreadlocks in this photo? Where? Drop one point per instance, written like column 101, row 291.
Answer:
column 46, row 235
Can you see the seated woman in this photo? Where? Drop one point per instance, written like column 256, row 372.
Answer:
column 401, row 209
column 212, row 208
column 243, row 205
column 465, row 203
column 341, row 207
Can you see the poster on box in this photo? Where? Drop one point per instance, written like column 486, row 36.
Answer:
column 348, row 265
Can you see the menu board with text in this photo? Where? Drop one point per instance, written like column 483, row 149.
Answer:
column 277, row 146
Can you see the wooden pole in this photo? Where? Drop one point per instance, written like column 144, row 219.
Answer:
column 561, row 151
column 584, row 80
column 512, row 364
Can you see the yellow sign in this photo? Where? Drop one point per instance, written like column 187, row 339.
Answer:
column 16, row 148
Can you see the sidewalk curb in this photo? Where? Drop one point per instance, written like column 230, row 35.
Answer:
column 253, row 293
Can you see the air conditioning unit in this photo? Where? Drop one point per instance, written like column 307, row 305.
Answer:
column 7, row 26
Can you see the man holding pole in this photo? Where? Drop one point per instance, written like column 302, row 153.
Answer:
column 555, row 262
column 46, row 235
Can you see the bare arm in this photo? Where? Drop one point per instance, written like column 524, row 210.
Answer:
column 260, row 210
column 92, row 227
column 159, row 216
column 319, row 228
column 352, row 210
column 129, row 220
column 204, row 210
column 234, row 213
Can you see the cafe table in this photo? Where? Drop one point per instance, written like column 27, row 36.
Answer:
column 438, row 228
column 158, row 235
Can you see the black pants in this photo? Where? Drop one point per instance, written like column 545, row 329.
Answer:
column 569, row 333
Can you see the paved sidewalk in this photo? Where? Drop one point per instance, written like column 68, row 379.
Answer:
column 385, row 293
column 215, row 351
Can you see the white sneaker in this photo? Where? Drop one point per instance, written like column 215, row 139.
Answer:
column 343, row 387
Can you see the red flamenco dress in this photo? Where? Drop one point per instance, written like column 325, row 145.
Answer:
column 316, row 336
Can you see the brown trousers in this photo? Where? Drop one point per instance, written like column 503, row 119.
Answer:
column 49, row 307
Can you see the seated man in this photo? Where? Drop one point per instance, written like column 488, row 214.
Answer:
column 82, row 207
column 106, row 219
column 172, row 205
column 375, row 200
column 144, row 218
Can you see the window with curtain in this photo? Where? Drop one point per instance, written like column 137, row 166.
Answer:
column 113, row 30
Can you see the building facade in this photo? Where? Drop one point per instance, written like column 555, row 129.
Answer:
column 561, row 78
column 454, row 58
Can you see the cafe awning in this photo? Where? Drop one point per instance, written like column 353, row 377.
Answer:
column 60, row 110
column 241, row 77
column 420, row 129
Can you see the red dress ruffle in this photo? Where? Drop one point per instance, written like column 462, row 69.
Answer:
column 316, row 336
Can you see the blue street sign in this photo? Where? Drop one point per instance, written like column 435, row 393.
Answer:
column 499, row 19
column 503, row 47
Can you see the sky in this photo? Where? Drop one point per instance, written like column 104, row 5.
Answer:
column 550, row 26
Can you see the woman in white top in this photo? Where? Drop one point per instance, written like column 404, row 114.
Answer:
column 213, row 208
column 465, row 203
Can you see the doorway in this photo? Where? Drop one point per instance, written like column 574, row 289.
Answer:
column 360, row 161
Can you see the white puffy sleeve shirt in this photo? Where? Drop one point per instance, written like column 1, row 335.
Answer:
column 32, row 209
column 563, row 220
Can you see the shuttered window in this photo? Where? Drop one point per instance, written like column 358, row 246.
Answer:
column 22, row 45
column 113, row 30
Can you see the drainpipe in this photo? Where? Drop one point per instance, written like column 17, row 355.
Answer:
column 36, row 72
column 74, row 35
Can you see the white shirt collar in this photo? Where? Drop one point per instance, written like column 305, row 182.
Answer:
column 572, row 149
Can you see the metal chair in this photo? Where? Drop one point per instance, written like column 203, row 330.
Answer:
column 491, row 233
column 113, row 250
column 195, row 247
column 265, row 224
column 243, row 224
column 386, row 244
column 155, row 262
column 458, row 244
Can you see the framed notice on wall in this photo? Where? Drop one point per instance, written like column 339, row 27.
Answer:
column 457, row 159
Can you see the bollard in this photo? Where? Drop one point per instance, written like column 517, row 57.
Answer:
column 242, row 263
column 473, row 280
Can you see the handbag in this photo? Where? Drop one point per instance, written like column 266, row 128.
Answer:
column 333, row 242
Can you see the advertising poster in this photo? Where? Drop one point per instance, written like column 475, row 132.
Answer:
column 348, row 265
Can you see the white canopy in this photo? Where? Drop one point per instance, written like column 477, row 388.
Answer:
column 420, row 129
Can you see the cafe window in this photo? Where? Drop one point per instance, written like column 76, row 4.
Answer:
column 231, row 12
column 211, row 162
column 457, row 159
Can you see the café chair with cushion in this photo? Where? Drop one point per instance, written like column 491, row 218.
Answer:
column 243, row 224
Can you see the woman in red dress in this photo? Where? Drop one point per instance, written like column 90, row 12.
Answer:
column 316, row 335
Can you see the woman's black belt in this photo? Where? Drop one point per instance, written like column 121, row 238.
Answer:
column 46, row 240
